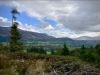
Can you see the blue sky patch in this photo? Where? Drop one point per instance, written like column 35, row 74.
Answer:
column 5, row 12
column 52, row 22
column 23, row 18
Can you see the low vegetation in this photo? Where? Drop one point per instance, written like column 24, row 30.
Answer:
column 78, row 62
column 37, row 64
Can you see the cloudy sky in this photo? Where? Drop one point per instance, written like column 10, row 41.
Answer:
column 59, row 18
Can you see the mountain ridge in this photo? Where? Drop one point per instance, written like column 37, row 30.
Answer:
column 28, row 35
column 88, row 38
column 42, row 39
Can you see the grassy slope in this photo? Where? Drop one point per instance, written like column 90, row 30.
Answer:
column 34, row 64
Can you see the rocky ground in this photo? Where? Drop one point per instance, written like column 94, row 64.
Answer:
column 73, row 68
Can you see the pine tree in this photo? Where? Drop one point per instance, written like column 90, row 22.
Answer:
column 83, row 47
column 65, row 50
column 15, row 44
column 58, row 51
column 52, row 52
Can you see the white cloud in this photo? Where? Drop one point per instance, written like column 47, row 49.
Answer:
column 27, row 27
column 46, row 27
column 5, row 23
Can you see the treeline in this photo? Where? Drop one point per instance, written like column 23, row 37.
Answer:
column 88, row 54
column 91, row 54
column 36, row 50
column 61, row 51
column 3, row 48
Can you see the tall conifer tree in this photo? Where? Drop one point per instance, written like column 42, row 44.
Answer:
column 65, row 50
column 15, row 44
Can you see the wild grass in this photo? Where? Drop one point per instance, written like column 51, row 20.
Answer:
column 31, row 63
column 36, row 68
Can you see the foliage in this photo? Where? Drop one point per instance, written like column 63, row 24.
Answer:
column 14, row 11
column 65, row 50
column 52, row 52
column 83, row 47
column 97, row 47
column 37, row 50
column 58, row 51
column 15, row 45
column 3, row 48
column 90, row 54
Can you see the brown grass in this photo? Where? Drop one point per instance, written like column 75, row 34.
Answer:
column 37, row 67
column 11, row 63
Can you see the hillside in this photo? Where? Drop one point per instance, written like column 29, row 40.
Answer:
column 42, row 39
column 88, row 38
column 5, row 33
column 28, row 36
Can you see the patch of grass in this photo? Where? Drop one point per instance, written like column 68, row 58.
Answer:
column 48, row 52
column 4, row 62
column 36, row 68
column 98, row 65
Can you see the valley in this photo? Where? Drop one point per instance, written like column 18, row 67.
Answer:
column 44, row 40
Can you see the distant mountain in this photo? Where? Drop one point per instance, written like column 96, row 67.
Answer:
column 38, row 38
column 87, row 38
column 28, row 36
